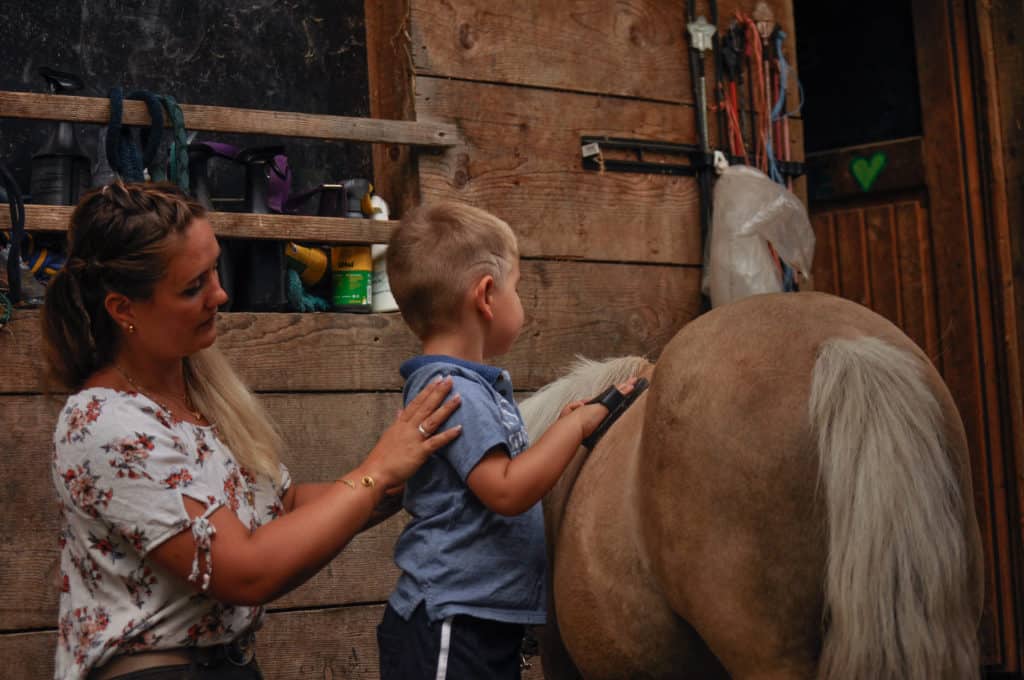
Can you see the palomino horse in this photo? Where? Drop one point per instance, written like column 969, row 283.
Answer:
column 791, row 498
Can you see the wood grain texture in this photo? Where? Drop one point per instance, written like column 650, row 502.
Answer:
column 1000, row 25
column 852, row 256
column 596, row 310
column 826, row 266
column 917, row 279
column 953, row 171
column 37, row 106
column 832, row 177
column 389, row 62
column 521, row 160
column 883, row 253
column 635, row 48
column 880, row 256
column 238, row 225
column 333, row 643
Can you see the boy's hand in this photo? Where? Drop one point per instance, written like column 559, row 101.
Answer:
column 590, row 415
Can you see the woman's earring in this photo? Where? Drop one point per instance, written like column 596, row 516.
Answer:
column 130, row 328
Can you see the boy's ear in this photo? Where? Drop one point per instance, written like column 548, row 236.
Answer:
column 119, row 307
column 482, row 294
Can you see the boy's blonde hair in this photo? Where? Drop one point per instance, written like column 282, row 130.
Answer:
column 437, row 253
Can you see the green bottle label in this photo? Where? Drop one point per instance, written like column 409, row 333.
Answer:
column 351, row 288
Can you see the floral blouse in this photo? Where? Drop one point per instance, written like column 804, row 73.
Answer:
column 121, row 465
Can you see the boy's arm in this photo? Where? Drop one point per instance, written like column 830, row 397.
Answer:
column 511, row 486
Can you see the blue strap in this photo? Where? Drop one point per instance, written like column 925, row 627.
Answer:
column 179, row 146
column 17, row 208
column 779, row 110
column 123, row 154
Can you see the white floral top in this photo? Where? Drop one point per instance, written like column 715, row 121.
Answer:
column 121, row 465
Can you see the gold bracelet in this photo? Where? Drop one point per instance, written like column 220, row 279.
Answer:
column 366, row 481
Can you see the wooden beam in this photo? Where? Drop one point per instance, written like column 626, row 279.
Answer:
column 389, row 63
column 238, row 225
column 951, row 135
column 38, row 106
column 574, row 308
column 897, row 167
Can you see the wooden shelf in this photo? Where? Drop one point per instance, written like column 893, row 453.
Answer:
column 55, row 218
column 36, row 106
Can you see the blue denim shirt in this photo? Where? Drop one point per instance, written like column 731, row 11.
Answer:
column 456, row 555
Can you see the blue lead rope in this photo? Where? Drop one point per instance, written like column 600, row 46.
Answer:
column 123, row 154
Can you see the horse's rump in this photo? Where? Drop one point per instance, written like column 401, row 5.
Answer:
column 720, row 519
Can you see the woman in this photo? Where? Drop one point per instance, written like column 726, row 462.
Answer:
column 179, row 521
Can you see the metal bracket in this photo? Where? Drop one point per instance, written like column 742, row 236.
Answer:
column 591, row 149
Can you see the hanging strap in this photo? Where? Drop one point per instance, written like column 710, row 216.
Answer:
column 178, row 172
column 123, row 155
column 17, row 208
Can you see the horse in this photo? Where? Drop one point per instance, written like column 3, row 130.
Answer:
column 789, row 499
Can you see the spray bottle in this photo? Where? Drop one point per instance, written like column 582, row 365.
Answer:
column 60, row 169
column 262, row 282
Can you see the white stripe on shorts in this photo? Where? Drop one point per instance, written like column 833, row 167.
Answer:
column 442, row 658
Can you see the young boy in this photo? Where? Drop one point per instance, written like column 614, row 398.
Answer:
column 472, row 557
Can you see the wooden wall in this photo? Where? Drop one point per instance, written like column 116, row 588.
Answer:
column 611, row 267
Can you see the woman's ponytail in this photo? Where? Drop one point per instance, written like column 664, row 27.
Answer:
column 68, row 341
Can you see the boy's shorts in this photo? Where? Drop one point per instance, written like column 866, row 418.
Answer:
column 457, row 648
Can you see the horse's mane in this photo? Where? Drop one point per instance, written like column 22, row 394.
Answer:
column 585, row 379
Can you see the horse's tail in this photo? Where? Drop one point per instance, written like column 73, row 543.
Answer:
column 898, row 595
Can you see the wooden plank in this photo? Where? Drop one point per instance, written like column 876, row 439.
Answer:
column 1000, row 25
column 389, row 63
column 238, row 225
column 631, row 49
column 884, row 166
column 852, row 255
column 338, row 642
column 951, row 156
column 36, row 106
column 881, row 252
column 28, row 656
column 916, row 284
column 826, row 264
column 597, row 310
column 521, row 161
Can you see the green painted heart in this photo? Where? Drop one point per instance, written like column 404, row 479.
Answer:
column 867, row 170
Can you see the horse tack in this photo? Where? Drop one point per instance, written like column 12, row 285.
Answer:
column 694, row 539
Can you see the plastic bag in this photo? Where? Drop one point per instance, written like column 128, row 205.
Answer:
column 751, row 212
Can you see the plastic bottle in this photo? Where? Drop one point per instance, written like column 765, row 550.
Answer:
column 351, row 276
column 60, row 168
column 383, row 301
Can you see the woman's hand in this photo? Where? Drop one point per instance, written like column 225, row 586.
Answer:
column 409, row 441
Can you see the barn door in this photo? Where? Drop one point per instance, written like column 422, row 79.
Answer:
column 902, row 227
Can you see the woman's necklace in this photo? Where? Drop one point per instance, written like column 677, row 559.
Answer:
column 186, row 400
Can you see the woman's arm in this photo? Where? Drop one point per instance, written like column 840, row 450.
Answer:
column 511, row 486
column 300, row 494
column 254, row 568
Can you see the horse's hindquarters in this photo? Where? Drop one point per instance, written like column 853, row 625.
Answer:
column 729, row 513
column 611, row 614
column 735, row 519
